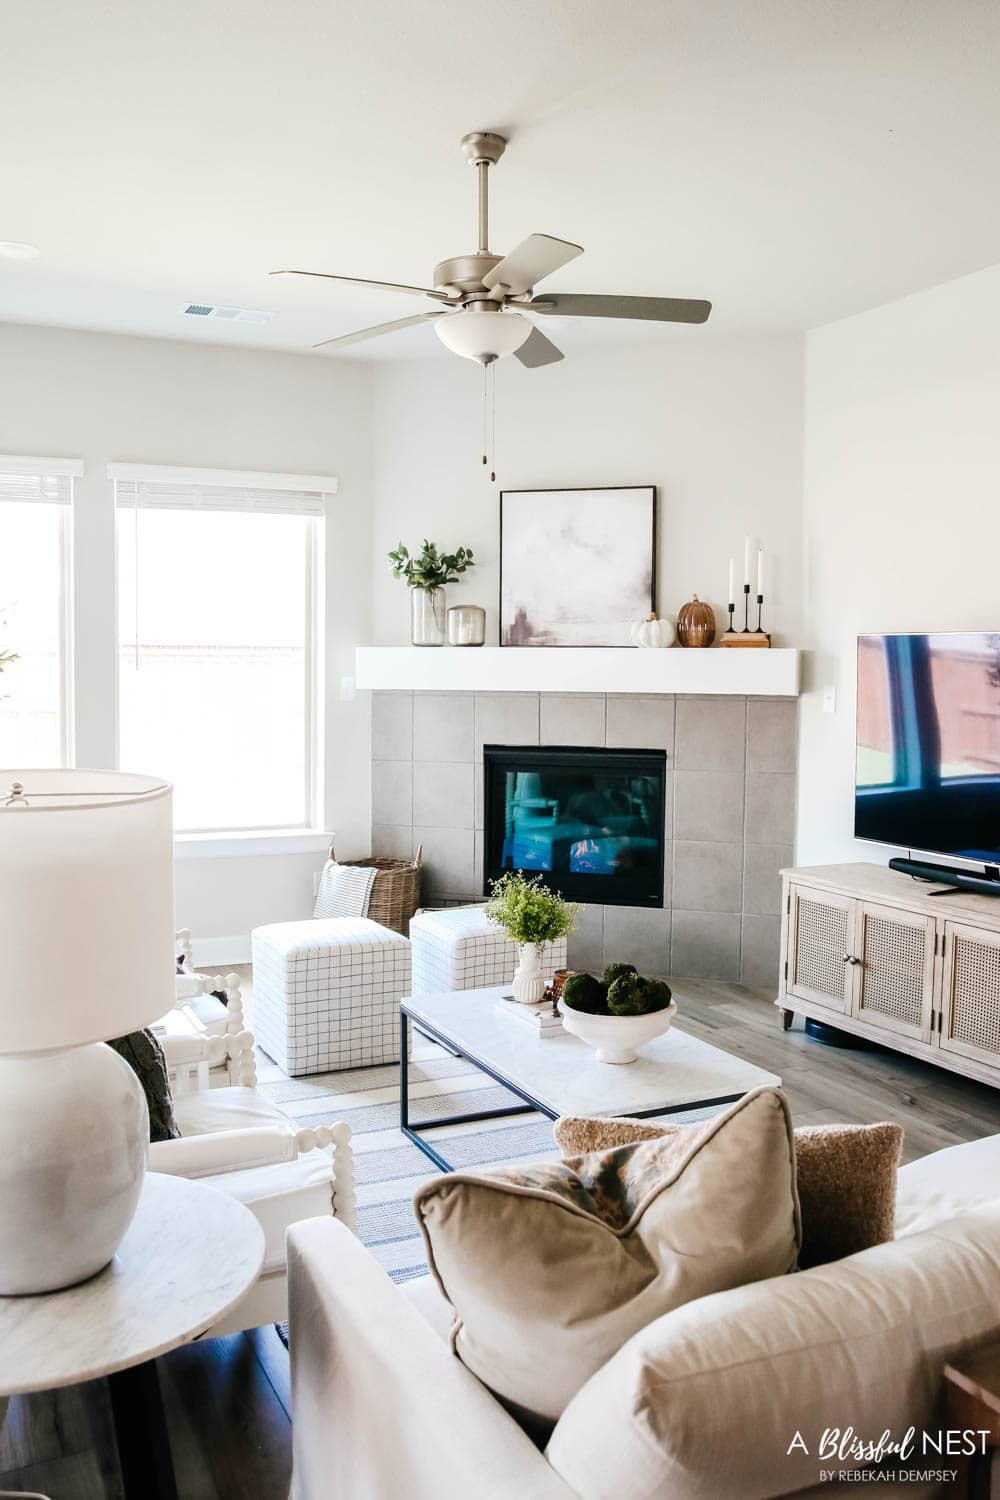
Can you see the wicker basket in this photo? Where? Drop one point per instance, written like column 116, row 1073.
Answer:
column 395, row 893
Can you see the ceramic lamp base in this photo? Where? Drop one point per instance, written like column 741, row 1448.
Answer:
column 74, row 1134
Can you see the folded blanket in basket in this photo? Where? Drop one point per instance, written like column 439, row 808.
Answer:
column 344, row 890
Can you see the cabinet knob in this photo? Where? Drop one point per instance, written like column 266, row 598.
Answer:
column 852, row 960
column 847, row 958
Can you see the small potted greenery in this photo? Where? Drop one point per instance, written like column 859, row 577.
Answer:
column 426, row 575
column 527, row 911
column 617, row 1013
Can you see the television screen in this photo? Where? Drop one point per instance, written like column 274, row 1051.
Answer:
column 928, row 744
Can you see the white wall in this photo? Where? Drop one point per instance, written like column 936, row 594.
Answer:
column 901, row 514
column 715, row 423
column 101, row 397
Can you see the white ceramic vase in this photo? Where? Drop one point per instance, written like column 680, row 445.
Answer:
column 529, row 981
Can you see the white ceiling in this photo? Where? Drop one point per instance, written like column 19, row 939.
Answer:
column 793, row 160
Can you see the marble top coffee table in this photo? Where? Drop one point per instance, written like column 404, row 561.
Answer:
column 189, row 1256
column 559, row 1074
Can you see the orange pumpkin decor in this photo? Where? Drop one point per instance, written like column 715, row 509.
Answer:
column 696, row 624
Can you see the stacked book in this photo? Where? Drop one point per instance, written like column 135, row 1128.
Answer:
column 541, row 1019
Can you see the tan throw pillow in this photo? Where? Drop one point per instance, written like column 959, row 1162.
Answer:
column 846, row 1177
column 552, row 1267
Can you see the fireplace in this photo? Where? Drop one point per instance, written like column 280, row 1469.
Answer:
column 590, row 821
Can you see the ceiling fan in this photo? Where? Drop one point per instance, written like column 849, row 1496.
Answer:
column 480, row 300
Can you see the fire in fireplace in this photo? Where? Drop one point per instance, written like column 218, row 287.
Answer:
column 590, row 821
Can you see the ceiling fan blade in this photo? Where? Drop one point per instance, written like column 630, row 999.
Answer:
column 376, row 332
column 652, row 309
column 537, row 256
column 538, row 350
column 383, row 286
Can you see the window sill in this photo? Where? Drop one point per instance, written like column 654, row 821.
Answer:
column 236, row 845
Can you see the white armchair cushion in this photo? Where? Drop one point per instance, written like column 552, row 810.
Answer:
column 208, row 1110
column 235, row 1139
column 280, row 1195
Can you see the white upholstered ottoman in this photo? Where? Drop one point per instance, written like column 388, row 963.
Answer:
column 327, row 993
column 458, row 949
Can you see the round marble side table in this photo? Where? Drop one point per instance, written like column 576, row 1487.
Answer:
column 190, row 1255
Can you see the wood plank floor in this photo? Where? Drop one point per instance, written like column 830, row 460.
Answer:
column 227, row 1400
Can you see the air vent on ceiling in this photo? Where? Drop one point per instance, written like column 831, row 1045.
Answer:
column 229, row 314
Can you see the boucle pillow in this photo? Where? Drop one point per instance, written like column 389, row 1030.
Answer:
column 552, row 1267
column 846, row 1176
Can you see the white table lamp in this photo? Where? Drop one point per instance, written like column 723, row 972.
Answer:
column 86, row 953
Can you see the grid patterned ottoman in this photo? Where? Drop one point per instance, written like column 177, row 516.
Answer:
column 327, row 993
column 457, row 949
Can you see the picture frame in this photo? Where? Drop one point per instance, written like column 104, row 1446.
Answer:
column 577, row 565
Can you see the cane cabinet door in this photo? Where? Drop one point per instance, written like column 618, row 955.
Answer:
column 893, row 953
column 820, row 931
column 970, row 1010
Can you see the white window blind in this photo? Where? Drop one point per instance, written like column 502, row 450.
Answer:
column 51, row 489
column 147, row 495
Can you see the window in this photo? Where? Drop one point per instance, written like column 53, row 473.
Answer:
column 35, row 517
column 219, row 630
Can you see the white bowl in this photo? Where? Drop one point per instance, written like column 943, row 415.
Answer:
column 617, row 1037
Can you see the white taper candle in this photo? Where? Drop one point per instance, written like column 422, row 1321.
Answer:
column 760, row 570
column 746, row 560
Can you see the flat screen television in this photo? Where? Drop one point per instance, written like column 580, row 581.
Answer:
column 928, row 744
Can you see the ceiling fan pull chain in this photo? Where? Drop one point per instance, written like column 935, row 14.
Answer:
column 485, row 377
column 493, row 421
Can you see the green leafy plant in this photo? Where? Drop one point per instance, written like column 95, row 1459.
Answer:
column 430, row 569
column 621, row 991
column 528, row 911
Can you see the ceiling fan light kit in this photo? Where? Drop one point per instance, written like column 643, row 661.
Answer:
column 482, row 335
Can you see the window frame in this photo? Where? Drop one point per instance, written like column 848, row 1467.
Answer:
column 249, row 837
column 71, row 469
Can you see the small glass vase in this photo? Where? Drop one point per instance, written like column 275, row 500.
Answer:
column 428, row 617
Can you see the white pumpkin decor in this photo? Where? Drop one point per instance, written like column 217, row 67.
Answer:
column 653, row 632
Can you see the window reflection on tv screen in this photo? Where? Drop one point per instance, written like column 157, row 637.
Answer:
column 928, row 743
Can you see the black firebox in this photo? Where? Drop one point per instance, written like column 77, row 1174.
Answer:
column 591, row 822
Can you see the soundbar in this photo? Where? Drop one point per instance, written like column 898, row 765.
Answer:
column 987, row 884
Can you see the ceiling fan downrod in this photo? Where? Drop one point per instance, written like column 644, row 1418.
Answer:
column 483, row 150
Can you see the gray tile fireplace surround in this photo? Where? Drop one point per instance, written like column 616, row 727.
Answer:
column 730, row 812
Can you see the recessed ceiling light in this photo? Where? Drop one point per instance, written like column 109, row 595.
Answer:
column 18, row 250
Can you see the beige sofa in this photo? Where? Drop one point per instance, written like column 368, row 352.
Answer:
column 704, row 1404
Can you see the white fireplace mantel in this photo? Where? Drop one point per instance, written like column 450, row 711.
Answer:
column 579, row 669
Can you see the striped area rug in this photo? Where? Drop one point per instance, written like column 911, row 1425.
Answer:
column 389, row 1169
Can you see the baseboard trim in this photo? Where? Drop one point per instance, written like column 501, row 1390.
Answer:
column 216, row 952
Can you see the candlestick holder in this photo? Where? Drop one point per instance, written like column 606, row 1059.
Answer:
column 731, row 606
column 746, row 636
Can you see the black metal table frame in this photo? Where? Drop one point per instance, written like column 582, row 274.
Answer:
column 413, row 1132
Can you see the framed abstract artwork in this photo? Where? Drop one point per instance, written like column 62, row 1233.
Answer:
column 577, row 567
